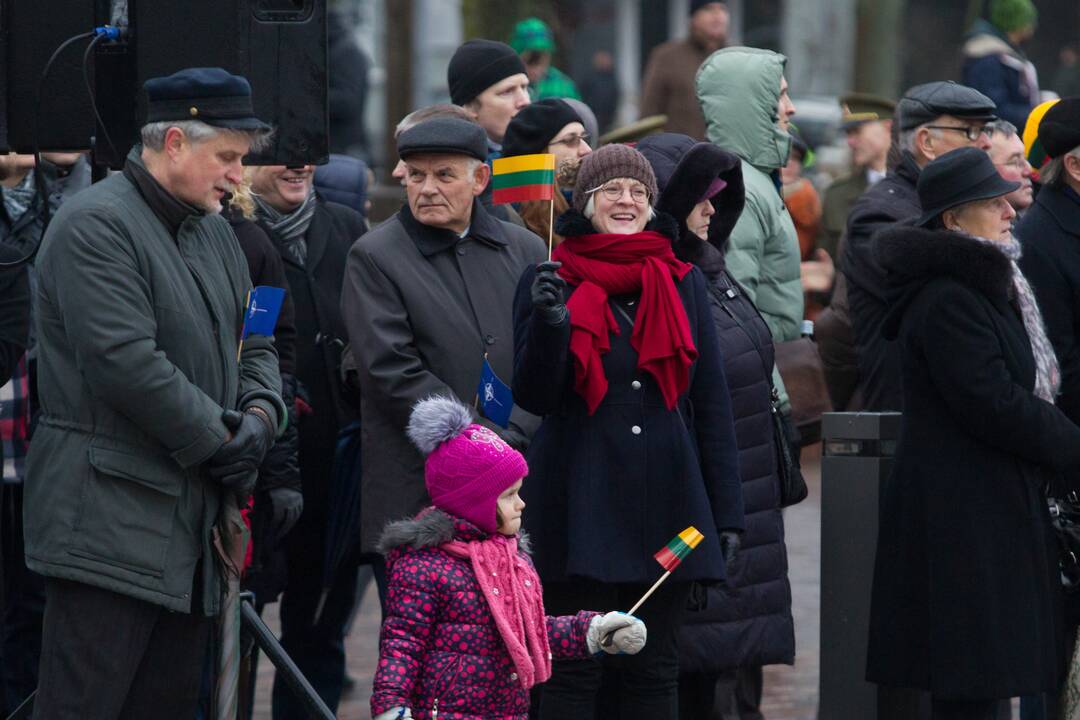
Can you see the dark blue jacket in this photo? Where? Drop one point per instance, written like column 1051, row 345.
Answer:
column 606, row 491
column 344, row 180
column 1001, row 72
column 747, row 620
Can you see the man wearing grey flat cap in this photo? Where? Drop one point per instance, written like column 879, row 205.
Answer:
column 150, row 416
column 932, row 119
column 428, row 295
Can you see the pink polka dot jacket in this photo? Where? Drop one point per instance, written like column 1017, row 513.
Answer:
column 440, row 652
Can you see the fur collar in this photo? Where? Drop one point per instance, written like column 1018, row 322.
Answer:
column 572, row 224
column 912, row 255
column 432, row 528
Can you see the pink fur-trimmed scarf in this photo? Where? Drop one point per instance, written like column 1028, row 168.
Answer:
column 514, row 596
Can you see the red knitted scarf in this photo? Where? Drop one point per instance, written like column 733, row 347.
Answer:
column 602, row 265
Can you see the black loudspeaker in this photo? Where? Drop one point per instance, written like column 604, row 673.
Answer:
column 279, row 45
column 31, row 31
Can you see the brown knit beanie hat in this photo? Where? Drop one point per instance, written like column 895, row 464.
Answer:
column 610, row 162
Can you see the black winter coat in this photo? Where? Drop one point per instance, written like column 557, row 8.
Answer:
column 1050, row 233
column 606, row 491
column 14, row 313
column 888, row 202
column 747, row 620
column 966, row 595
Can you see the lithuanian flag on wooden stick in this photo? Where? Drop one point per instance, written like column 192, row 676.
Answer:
column 523, row 177
column 669, row 558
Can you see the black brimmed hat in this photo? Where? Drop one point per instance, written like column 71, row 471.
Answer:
column 450, row 136
column 925, row 103
column 211, row 95
column 957, row 177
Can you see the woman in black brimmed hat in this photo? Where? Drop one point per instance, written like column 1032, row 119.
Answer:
column 966, row 595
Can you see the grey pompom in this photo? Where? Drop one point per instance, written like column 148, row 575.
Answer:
column 435, row 420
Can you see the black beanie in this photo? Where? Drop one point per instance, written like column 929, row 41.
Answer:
column 696, row 5
column 536, row 125
column 479, row 64
column 1059, row 131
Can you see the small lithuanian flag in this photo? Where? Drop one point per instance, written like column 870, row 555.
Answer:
column 523, row 177
column 680, row 546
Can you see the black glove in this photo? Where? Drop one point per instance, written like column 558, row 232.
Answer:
column 547, row 293
column 730, row 541
column 236, row 463
column 286, row 504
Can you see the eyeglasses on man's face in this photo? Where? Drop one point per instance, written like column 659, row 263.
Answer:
column 572, row 141
column 971, row 132
column 614, row 191
column 1016, row 163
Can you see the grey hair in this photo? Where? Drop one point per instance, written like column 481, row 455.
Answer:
column 153, row 134
column 906, row 139
column 590, row 208
column 1052, row 174
column 440, row 110
column 1002, row 126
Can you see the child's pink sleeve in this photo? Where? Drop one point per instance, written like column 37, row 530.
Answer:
column 567, row 633
column 408, row 620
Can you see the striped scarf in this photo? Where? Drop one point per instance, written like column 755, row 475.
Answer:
column 1047, row 368
column 289, row 228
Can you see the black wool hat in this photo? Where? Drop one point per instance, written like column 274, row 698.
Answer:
column 1059, row 131
column 957, row 177
column 696, row 5
column 444, row 135
column 211, row 95
column 479, row 64
column 924, row 103
column 536, row 125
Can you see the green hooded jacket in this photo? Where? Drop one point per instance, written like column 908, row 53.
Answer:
column 739, row 90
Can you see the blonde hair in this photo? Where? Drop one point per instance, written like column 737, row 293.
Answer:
column 243, row 198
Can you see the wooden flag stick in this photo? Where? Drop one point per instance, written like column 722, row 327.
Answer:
column 551, row 224
column 243, row 326
column 610, row 637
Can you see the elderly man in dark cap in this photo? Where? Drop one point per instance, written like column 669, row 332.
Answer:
column 1050, row 235
column 427, row 296
column 933, row 119
column 151, row 417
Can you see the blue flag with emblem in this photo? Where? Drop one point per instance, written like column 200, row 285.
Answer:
column 495, row 398
column 263, row 308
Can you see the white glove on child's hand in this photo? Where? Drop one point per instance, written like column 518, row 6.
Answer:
column 397, row 713
column 628, row 638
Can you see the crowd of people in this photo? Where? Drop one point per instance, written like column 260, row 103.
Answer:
column 635, row 317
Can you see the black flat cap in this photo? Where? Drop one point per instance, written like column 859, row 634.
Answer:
column 958, row 177
column 923, row 103
column 536, row 125
column 212, row 95
column 444, row 135
column 1059, row 131
column 479, row 64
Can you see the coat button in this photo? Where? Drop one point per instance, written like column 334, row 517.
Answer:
column 489, row 339
column 636, row 429
column 461, row 251
column 636, row 384
column 513, row 676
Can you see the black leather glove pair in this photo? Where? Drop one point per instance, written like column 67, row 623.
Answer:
column 235, row 465
column 547, row 293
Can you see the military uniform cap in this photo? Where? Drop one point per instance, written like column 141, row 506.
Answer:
column 861, row 108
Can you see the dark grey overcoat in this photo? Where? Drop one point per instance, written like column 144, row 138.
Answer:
column 422, row 307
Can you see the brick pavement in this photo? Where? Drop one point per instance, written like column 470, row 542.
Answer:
column 790, row 692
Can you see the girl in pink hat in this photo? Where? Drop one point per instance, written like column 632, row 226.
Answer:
column 464, row 634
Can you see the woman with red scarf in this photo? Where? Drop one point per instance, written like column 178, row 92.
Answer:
column 617, row 349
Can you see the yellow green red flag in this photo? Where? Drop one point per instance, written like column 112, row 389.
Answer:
column 680, row 546
column 523, row 177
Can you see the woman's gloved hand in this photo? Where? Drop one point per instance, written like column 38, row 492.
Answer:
column 616, row 633
column 547, row 293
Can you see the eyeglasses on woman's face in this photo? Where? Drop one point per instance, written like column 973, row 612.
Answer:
column 573, row 142
column 613, row 192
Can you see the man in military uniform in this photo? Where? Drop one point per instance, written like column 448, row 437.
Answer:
column 867, row 121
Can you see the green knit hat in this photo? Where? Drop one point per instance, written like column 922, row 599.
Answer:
column 1010, row 15
column 532, row 34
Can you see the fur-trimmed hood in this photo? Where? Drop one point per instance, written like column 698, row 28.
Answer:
column 684, row 170
column 573, row 223
column 985, row 39
column 433, row 527
column 913, row 256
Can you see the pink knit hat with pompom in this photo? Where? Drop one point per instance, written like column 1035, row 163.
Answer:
column 468, row 466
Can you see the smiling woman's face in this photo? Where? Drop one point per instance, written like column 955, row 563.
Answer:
column 621, row 207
